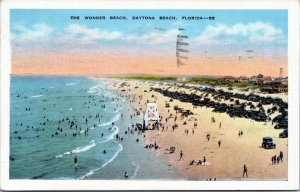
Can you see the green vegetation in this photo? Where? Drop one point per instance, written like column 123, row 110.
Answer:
column 216, row 82
column 205, row 80
column 147, row 77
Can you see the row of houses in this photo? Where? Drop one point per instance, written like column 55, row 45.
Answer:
column 268, row 84
column 259, row 79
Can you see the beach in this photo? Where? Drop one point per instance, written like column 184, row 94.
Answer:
column 99, row 122
column 225, row 152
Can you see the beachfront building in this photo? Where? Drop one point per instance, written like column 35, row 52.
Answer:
column 254, row 79
column 264, row 80
column 276, row 85
column 260, row 79
column 227, row 79
column 283, row 81
column 241, row 79
column 184, row 79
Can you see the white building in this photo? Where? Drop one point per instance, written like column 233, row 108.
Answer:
column 151, row 114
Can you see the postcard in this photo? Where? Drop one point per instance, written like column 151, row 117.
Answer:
column 173, row 95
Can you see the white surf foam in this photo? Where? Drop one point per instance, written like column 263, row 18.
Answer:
column 111, row 136
column 34, row 96
column 107, row 94
column 79, row 149
column 69, row 84
column 94, row 88
column 84, row 148
column 114, row 119
column 106, row 163
column 91, row 144
column 137, row 167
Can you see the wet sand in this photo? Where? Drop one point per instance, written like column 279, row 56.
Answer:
column 224, row 162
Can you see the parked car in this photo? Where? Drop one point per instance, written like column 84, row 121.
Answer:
column 282, row 125
column 268, row 143
column 283, row 134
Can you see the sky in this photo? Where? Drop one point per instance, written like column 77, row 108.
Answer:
column 236, row 42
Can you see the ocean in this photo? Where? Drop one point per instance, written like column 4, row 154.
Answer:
column 55, row 118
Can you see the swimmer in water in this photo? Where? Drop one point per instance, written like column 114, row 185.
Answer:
column 126, row 175
column 75, row 161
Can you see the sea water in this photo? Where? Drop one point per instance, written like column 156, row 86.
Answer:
column 55, row 118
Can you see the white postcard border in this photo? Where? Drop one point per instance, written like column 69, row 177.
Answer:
column 293, row 68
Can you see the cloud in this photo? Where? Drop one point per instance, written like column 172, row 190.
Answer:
column 72, row 35
column 90, row 35
column 85, row 33
column 37, row 31
column 162, row 37
column 81, row 34
column 258, row 32
column 76, row 36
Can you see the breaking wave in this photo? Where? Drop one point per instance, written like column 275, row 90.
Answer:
column 103, row 165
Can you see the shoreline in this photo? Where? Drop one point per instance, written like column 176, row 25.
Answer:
column 224, row 162
column 133, row 158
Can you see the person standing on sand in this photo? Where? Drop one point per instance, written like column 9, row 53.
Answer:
column 278, row 159
column 219, row 143
column 281, row 156
column 204, row 160
column 245, row 172
column 181, row 156
column 208, row 136
column 220, row 125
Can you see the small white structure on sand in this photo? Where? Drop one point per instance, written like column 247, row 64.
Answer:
column 151, row 114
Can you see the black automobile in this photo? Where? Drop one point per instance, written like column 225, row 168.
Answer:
column 283, row 134
column 268, row 143
column 282, row 125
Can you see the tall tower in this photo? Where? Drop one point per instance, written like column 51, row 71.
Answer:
column 280, row 72
column 151, row 114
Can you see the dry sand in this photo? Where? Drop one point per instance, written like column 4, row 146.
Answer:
column 224, row 162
